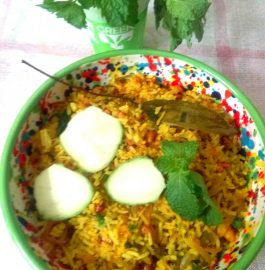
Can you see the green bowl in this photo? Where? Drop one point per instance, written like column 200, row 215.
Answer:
column 15, row 189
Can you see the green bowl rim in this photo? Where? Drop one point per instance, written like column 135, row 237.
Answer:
column 5, row 201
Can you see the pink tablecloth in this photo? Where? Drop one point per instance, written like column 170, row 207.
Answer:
column 234, row 44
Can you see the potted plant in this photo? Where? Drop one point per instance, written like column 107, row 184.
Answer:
column 118, row 24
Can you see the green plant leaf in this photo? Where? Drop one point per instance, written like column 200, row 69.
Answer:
column 188, row 9
column 184, row 150
column 160, row 11
column 212, row 215
column 182, row 18
column 115, row 11
column 176, row 156
column 69, row 11
column 198, row 29
column 168, row 21
column 180, row 197
column 86, row 4
column 197, row 180
column 168, row 164
column 180, row 9
column 186, row 192
column 132, row 17
column 199, row 7
column 175, row 41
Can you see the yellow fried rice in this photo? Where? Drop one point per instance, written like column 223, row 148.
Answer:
column 109, row 235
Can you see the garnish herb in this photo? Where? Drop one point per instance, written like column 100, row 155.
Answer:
column 186, row 191
column 64, row 118
column 100, row 220
column 238, row 223
column 181, row 18
column 116, row 12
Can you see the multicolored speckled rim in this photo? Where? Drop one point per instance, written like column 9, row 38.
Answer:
column 5, row 200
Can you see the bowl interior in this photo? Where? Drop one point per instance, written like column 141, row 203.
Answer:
column 17, row 199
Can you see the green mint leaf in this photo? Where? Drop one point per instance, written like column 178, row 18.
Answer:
column 182, row 29
column 168, row 164
column 212, row 215
column 115, row 11
column 48, row 1
column 180, row 197
column 199, row 7
column 188, row 9
column 182, row 19
column 184, row 150
column 69, row 11
column 197, row 180
column 186, row 191
column 132, row 17
column 160, row 11
column 180, row 9
column 175, row 41
column 194, row 188
column 168, row 21
column 87, row 4
column 238, row 223
column 198, row 29
column 176, row 156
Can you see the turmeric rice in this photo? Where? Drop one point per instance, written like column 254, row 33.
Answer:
column 109, row 235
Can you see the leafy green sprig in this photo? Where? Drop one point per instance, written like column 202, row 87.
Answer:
column 186, row 191
column 182, row 18
column 116, row 12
